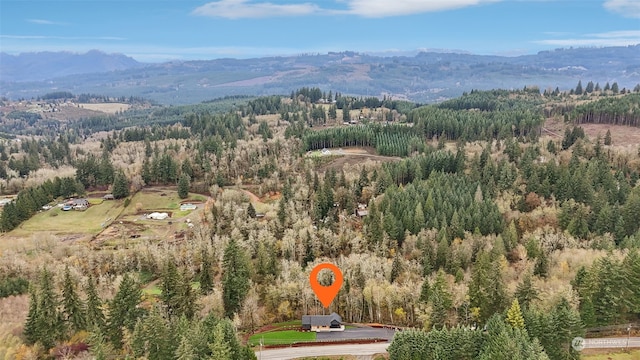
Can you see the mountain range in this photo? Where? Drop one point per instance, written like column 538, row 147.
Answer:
column 424, row 77
column 37, row 66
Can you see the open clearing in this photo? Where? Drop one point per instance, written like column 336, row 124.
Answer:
column 109, row 222
column 109, row 108
column 159, row 199
column 349, row 156
column 622, row 137
column 57, row 221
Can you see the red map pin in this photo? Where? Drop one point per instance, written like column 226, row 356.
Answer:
column 326, row 294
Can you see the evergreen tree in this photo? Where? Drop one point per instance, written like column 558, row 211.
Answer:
column 418, row 219
column 487, row 290
column 607, row 138
column 95, row 317
column 590, row 87
column 346, row 117
column 282, row 212
column 373, row 223
column 541, row 267
column 309, row 255
column 509, row 343
column 188, row 306
column 183, row 186
column 50, row 322
column 72, row 307
column 614, row 88
column 220, row 349
column 120, row 186
column 124, row 311
column 526, row 293
column 99, row 346
column 440, row 299
column 396, row 267
column 631, row 266
column 152, row 338
column 566, row 326
column 186, row 350
column 578, row 90
column 251, row 211
column 206, row 276
column 170, row 289
column 235, row 278
column 514, row 315
column 425, row 291
column 31, row 326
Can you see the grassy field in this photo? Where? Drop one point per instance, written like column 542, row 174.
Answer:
column 57, row 221
column 157, row 200
column 110, row 108
column 281, row 337
column 154, row 200
column 154, row 288
column 632, row 355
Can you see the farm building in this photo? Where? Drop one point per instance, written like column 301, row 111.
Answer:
column 78, row 204
column 158, row 216
column 361, row 210
column 108, row 197
column 322, row 323
column 189, row 206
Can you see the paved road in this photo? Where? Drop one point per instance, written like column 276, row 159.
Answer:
column 365, row 351
column 362, row 351
column 365, row 332
column 610, row 343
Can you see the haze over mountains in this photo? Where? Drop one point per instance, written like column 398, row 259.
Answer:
column 425, row 77
column 35, row 66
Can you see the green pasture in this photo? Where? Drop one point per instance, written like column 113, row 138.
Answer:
column 55, row 220
column 154, row 289
column 281, row 337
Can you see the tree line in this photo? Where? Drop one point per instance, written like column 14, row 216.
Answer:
column 388, row 140
column 623, row 110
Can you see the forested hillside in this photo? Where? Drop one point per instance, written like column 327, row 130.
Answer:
column 484, row 232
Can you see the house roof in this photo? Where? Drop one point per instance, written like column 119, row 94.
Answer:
column 321, row 320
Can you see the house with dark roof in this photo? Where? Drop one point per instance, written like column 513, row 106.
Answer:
column 321, row 323
column 78, row 204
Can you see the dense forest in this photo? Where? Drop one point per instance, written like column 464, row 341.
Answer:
column 483, row 235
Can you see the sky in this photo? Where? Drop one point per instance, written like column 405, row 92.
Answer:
column 162, row 30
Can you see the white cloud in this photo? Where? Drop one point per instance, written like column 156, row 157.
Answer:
column 49, row 37
column 628, row 8
column 384, row 8
column 45, row 22
column 611, row 38
column 236, row 9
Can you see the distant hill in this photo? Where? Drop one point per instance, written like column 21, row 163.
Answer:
column 424, row 77
column 37, row 66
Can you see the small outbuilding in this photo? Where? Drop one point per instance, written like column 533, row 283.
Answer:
column 322, row 323
column 188, row 206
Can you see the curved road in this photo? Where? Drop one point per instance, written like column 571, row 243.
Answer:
column 362, row 351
